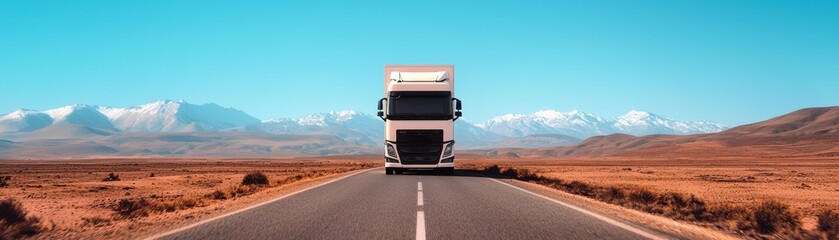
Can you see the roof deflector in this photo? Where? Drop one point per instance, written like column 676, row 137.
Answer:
column 419, row 76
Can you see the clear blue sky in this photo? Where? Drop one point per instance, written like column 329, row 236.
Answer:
column 729, row 61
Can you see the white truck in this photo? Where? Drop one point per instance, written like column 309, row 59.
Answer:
column 419, row 110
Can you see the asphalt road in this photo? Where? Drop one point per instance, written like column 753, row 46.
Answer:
column 372, row 205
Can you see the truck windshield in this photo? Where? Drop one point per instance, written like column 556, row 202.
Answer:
column 419, row 106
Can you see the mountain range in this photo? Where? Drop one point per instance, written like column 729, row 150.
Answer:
column 583, row 125
column 101, row 126
column 806, row 133
column 160, row 116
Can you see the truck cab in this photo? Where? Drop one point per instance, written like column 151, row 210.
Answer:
column 419, row 109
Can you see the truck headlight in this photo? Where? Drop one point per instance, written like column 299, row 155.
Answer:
column 448, row 150
column 391, row 151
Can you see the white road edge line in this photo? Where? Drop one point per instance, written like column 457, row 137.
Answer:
column 157, row 236
column 595, row 215
column 420, row 214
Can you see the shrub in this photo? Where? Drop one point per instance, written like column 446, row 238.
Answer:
column 151, row 174
column 256, row 178
column 188, row 203
column 131, row 207
column 218, row 195
column 13, row 220
column 291, row 179
column 642, row 196
column 579, row 188
column 695, row 209
column 241, row 190
column 111, row 177
column 611, row 195
column 4, row 180
column 508, row 172
column 176, row 204
column 829, row 223
column 771, row 216
column 675, row 200
column 720, row 212
column 494, row 169
column 95, row 221
column 526, row 175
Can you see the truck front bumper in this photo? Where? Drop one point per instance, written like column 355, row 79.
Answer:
column 445, row 163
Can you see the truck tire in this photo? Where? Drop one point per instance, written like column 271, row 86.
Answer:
column 397, row 171
column 388, row 171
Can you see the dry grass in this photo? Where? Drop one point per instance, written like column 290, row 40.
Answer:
column 675, row 205
column 134, row 208
column 14, row 222
column 770, row 218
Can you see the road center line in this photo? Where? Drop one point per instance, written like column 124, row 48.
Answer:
column 420, row 214
column 420, row 225
column 419, row 198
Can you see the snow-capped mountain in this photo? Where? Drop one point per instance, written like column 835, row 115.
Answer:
column 347, row 125
column 24, row 120
column 176, row 116
column 583, row 125
column 80, row 114
column 470, row 136
column 160, row 116
column 640, row 123
column 575, row 123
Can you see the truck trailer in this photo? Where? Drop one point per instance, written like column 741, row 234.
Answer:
column 419, row 109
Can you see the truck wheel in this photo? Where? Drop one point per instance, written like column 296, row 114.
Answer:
column 388, row 171
column 397, row 171
column 448, row 171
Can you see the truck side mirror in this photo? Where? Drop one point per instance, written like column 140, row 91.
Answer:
column 380, row 104
column 457, row 107
column 381, row 112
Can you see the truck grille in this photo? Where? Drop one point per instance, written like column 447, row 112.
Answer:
column 419, row 146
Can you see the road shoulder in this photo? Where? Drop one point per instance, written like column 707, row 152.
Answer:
column 630, row 217
column 255, row 200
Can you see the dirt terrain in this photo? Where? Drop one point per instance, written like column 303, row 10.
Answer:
column 80, row 199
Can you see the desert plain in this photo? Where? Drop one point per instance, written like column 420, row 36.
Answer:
column 78, row 198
